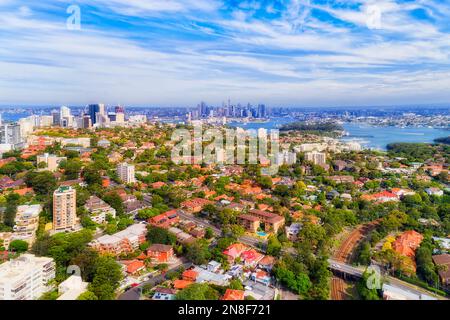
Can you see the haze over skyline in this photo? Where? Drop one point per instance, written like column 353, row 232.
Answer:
column 178, row 52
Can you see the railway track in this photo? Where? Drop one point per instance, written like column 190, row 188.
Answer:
column 345, row 254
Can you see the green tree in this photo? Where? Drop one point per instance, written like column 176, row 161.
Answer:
column 363, row 290
column 12, row 200
column 209, row 233
column 198, row 291
column 108, row 275
column 43, row 183
column 92, row 176
column 88, row 295
column 273, row 246
column 236, row 284
column 114, row 200
column 160, row 235
column 18, row 246
column 72, row 168
column 198, row 252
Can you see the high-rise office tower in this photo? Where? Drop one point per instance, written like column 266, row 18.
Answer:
column 95, row 109
column 56, row 117
column 203, row 109
column 64, row 208
column 65, row 117
column 87, row 122
column 261, row 111
column 120, row 114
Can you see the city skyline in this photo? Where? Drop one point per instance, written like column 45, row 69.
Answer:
column 177, row 53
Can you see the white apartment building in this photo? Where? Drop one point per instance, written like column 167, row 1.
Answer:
column 83, row 142
column 306, row 147
column 64, row 209
column 318, row 158
column 26, row 277
column 137, row 119
column 52, row 162
column 125, row 172
column 286, row 157
column 27, row 223
column 124, row 241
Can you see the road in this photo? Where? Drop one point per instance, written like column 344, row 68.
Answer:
column 410, row 287
column 135, row 293
column 358, row 271
column 248, row 240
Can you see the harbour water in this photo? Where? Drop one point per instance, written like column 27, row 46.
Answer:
column 367, row 135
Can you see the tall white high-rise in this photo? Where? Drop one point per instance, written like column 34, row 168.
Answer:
column 65, row 117
column 125, row 172
column 64, row 209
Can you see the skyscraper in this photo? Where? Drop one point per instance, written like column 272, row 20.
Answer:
column 64, row 209
column 120, row 114
column 203, row 109
column 65, row 117
column 95, row 109
column 261, row 111
column 56, row 117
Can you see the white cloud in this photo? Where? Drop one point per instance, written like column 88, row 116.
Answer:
column 245, row 58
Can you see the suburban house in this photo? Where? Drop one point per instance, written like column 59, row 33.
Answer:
column 407, row 243
column 434, row 192
column 195, row 205
column 135, row 266
column 251, row 257
column 165, row 220
column 293, row 230
column 162, row 293
column 233, row 295
column 234, row 251
column 160, row 253
column 99, row 209
column 443, row 262
column 190, row 275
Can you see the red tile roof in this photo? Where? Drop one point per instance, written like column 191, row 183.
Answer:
column 181, row 284
column 231, row 294
column 407, row 243
column 135, row 266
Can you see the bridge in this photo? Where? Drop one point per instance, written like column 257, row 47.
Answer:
column 345, row 271
column 349, row 272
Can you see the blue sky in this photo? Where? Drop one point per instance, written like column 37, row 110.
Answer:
column 178, row 52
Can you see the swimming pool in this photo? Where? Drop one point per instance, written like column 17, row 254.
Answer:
column 261, row 233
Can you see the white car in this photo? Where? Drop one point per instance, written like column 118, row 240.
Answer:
column 248, row 288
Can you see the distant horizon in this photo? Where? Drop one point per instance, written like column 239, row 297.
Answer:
column 168, row 53
column 430, row 105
